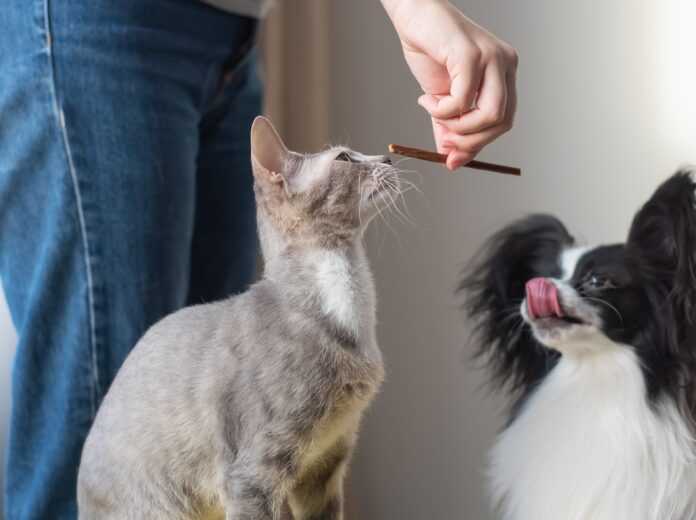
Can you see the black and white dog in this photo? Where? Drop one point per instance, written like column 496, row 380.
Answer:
column 598, row 347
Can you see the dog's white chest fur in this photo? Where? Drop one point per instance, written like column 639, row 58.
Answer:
column 588, row 445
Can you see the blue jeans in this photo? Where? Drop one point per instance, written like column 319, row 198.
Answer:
column 125, row 194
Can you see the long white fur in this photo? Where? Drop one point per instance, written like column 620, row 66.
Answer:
column 588, row 444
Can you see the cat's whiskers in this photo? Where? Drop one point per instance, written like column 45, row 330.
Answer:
column 398, row 187
column 380, row 244
column 394, row 207
column 403, row 199
column 361, row 187
column 404, row 171
column 379, row 180
column 407, row 185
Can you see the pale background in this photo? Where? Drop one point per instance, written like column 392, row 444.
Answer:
column 607, row 110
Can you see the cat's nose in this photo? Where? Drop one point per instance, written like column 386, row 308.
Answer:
column 386, row 160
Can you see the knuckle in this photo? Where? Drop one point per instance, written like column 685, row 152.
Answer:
column 453, row 111
column 473, row 54
column 490, row 53
column 469, row 148
column 495, row 116
column 513, row 57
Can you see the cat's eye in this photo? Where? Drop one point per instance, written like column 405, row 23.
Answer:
column 343, row 156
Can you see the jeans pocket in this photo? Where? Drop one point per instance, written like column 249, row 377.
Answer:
column 233, row 72
column 241, row 53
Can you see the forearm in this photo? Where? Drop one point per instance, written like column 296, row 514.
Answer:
column 391, row 6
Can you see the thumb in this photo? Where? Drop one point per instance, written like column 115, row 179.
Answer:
column 460, row 98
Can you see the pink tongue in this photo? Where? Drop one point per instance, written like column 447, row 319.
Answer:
column 542, row 299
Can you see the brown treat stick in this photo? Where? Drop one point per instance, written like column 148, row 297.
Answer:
column 426, row 155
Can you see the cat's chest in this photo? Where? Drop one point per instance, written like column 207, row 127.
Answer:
column 346, row 293
column 334, row 436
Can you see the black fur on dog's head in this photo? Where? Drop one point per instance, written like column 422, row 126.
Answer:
column 639, row 295
column 494, row 288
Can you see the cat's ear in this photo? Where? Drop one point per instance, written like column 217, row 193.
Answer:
column 272, row 162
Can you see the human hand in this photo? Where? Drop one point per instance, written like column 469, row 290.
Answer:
column 467, row 75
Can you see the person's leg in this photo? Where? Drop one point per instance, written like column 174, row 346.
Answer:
column 224, row 252
column 100, row 104
column 43, row 272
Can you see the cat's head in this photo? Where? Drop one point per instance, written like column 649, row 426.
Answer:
column 328, row 196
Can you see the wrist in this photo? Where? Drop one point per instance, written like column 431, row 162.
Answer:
column 403, row 9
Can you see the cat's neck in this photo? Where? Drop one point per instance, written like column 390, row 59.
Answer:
column 332, row 281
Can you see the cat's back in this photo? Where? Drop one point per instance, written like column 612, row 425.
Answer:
column 159, row 408
column 193, row 331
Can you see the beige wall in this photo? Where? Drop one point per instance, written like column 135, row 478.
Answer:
column 605, row 113
column 603, row 117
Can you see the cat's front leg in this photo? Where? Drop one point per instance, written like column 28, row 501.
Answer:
column 257, row 482
column 319, row 494
column 251, row 498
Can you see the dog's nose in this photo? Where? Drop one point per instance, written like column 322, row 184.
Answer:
column 542, row 299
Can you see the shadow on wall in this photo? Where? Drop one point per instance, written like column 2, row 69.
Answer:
column 8, row 343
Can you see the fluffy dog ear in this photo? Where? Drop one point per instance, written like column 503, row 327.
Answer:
column 663, row 236
column 663, row 233
column 494, row 287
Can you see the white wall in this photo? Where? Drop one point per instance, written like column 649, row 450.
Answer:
column 606, row 112
column 8, row 340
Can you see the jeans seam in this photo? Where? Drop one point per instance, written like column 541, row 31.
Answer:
column 60, row 119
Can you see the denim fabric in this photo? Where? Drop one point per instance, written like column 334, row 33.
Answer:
column 125, row 193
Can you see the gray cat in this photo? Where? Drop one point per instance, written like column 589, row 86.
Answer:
column 233, row 407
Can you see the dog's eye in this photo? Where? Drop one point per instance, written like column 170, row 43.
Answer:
column 596, row 281
column 343, row 156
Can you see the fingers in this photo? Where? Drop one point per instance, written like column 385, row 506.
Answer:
column 465, row 147
column 457, row 159
column 439, row 131
column 491, row 104
column 463, row 88
column 462, row 149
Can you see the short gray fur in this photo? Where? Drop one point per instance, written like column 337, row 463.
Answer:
column 230, row 409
